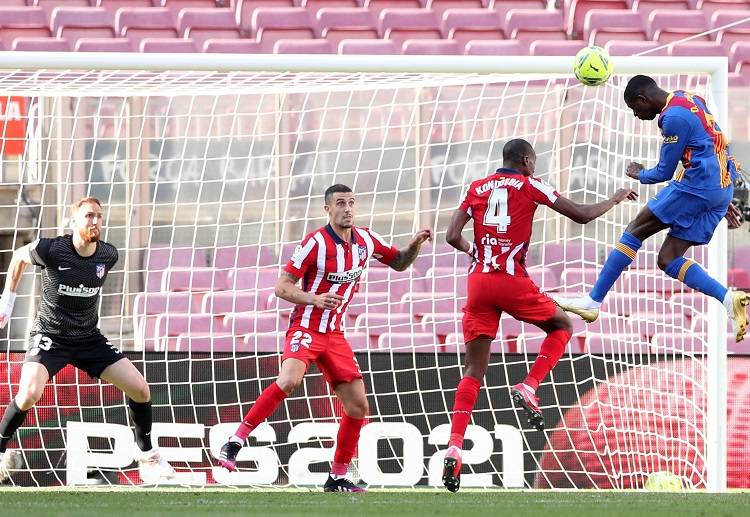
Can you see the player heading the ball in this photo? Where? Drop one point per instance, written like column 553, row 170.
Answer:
column 74, row 269
column 502, row 207
column 691, row 205
column 330, row 262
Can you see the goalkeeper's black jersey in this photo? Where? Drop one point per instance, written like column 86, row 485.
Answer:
column 70, row 286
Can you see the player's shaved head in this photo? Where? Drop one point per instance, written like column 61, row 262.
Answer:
column 515, row 151
column 639, row 85
column 333, row 189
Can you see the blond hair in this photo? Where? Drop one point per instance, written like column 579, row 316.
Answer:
column 75, row 206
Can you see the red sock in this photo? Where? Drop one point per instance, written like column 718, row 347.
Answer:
column 346, row 443
column 264, row 405
column 552, row 349
column 466, row 397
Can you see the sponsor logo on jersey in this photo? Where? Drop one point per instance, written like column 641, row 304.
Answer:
column 344, row 277
column 494, row 241
column 60, row 268
column 502, row 182
column 101, row 270
column 80, row 292
column 362, row 253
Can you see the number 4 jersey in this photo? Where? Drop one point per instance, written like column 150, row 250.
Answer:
column 502, row 206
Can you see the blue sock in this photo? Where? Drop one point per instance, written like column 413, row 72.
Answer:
column 618, row 261
column 692, row 275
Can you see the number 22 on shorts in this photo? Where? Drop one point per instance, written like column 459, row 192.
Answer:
column 300, row 338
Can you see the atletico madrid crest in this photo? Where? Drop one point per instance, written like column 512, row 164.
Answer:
column 101, row 270
column 362, row 253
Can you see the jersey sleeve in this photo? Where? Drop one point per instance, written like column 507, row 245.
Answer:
column 382, row 251
column 39, row 252
column 676, row 131
column 465, row 205
column 303, row 257
column 542, row 193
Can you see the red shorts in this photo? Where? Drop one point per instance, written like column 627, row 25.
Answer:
column 491, row 294
column 331, row 352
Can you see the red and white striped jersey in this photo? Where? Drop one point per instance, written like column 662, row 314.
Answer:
column 325, row 263
column 502, row 206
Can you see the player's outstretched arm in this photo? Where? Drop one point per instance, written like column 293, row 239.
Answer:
column 585, row 213
column 408, row 255
column 21, row 258
column 286, row 289
column 676, row 132
column 453, row 233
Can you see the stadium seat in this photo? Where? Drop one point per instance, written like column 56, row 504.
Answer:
column 245, row 10
column 315, row 6
column 738, row 33
column 152, row 304
column 295, row 46
column 148, row 22
column 169, row 326
column 378, row 6
column 544, row 277
column 632, row 48
column 738, row 278
column 739, row 62
column 253, row 278
column 741, row 257
column 441, row 323
column 646, row 7
column 370, row 302
column 400, row 25
column 368, row 47
column 359, row 341
column 602, row 26
column 555, row 47
column 113, row 5
column 206, row 342
column 700, row 325
column 446, row 279
column 577, row 11
column 711, row 6
column 41, row 44
column 626, row 304
column 252, row 322
column 177, row 6
column 231, row 46
column 495, row 48
column 559, row 256
column 435, row 47
column 441, row 6
column 251, row 255
column 671, row 342
column 22, row 22
column 527, row 25
column 408, row 342
column 168, row 45
column 466, row 25
column 156, row 260
column 649, row 280
column 690, row 303
column 697, row 48
column 272, row 24
column 420, row 303
column 203, row 24
column 530, row 341
column 233, row 301
column 579, row 277
column 265, row 342
column 666, row 26
column 193, row 279
column 440, row 255
column 375, row 324
column 386, row 280
column 615, row 344
column 339, row 24
column 103, row 45
column 82, row 22
column 647, row 324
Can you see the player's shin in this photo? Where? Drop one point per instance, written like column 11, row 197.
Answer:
column 346, row 444
column 549, row 354
column 466, row 398
column 264, row 406
column 694, row 276
column 142, row 415
column 11, row 421
column 618, row 261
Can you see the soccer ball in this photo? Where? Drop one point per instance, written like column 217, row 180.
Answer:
column 663, row 482
column 592, row 66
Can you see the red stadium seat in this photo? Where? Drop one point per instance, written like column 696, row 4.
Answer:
column 311, row 46
column 150, row 304
column 224, row 302
column 139, row 23
column 340, row 24
column 739, row 62
column 420, row 303
column 633, row 48
column 626, row 304
column 615, row 344
column 386, row 280
column 167, row 45
column 230, row 257
column 368, row 47
column 266, row 342
column 41, row 44
column 378, row 6
column 711, row 6
column 495, row 48
column 602, row 26
column 194, row 342
column 156, row 260
column 22, row 22
column 647, row 324
column 685, row 342
column 272, row 24
column 646, row 7
column 314, row 6
column 432, row 47
column 193, row 279
column 408, row 342
column 253, row 278
column 252, row 322
column 544, row 277
column 689, row 303
column 579, row 277
column 231, row 46
column 400, row 25
column 169, row 326
column 738, row 33
column 245, row 10
column 441, row 6
column 697, row 48
column 82, row 22
column 370, row 302
column 556, row 48
column 527, row 25
column 666, row 26
column 472, row 24
column 441, row 323
column 649, row 280
column 576, row 12
column 446, row 279
column 375, row 324
column 176, row 6
column 574, row 254
column 103, row 45
column 203, row 24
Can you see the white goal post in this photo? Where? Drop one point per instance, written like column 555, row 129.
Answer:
column 193, row 154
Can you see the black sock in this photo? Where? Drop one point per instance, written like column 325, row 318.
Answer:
column 12, row 420
column 142, row 417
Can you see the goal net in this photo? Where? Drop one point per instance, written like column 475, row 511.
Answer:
column 210, row 179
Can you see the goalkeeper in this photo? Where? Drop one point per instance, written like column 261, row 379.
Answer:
column 691, row 206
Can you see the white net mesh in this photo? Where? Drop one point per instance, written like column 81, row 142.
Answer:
column 210, row 180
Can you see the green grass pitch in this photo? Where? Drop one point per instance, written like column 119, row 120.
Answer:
column 381, row 503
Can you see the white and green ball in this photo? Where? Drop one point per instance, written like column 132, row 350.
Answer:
column 592, row 66
column 663, row 482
